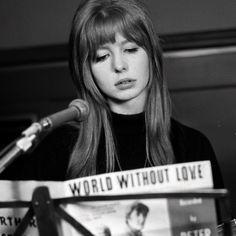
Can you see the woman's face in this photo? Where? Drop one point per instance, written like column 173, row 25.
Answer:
column 121, row 71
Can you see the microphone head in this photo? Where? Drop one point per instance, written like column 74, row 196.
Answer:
column 82, row 107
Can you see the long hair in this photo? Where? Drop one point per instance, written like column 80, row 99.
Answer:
column 95, row 23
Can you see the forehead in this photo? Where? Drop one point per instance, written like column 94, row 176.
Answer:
column 120, row 40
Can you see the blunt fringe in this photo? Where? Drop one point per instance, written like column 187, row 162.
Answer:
column 95, row 23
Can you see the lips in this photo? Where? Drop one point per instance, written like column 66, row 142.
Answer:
column 124, row 81
column 124, row 84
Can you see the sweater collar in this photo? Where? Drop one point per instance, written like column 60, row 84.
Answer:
column 134, row 123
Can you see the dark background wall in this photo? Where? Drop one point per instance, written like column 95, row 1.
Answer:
column 199, row 45
column 32, row 22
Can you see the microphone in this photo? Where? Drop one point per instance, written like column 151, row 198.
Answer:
column 77, row 110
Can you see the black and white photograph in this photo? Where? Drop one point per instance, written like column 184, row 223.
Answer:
column 109, row 100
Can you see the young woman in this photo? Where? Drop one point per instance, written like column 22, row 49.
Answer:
column 116, row 66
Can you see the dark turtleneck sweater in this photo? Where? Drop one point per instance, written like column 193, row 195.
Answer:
column 49, row 160
column 129, row 135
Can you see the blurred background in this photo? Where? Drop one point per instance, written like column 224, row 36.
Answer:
column 199, row 43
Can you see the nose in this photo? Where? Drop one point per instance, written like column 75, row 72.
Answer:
column 119, row 62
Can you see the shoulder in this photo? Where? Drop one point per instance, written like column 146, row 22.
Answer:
column 65, row 135
column 53, row 153
column 189, row 144
column 58, row 142
column 179, row 130
column 192, row 145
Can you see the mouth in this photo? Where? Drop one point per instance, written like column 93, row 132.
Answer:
column 125, row 82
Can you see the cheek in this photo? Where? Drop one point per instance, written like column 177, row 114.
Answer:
column 97, row 76
column 100, row 71
column 95, row 72
column 143, row 68
column 143, row 63
column 100, row 79
column 146, row 69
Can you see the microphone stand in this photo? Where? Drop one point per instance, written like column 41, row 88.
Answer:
column 23, row 144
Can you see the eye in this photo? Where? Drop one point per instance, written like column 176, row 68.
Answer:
column 101, row 58
column 131, row 50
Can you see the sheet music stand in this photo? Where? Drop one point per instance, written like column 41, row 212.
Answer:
column 48, row 210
